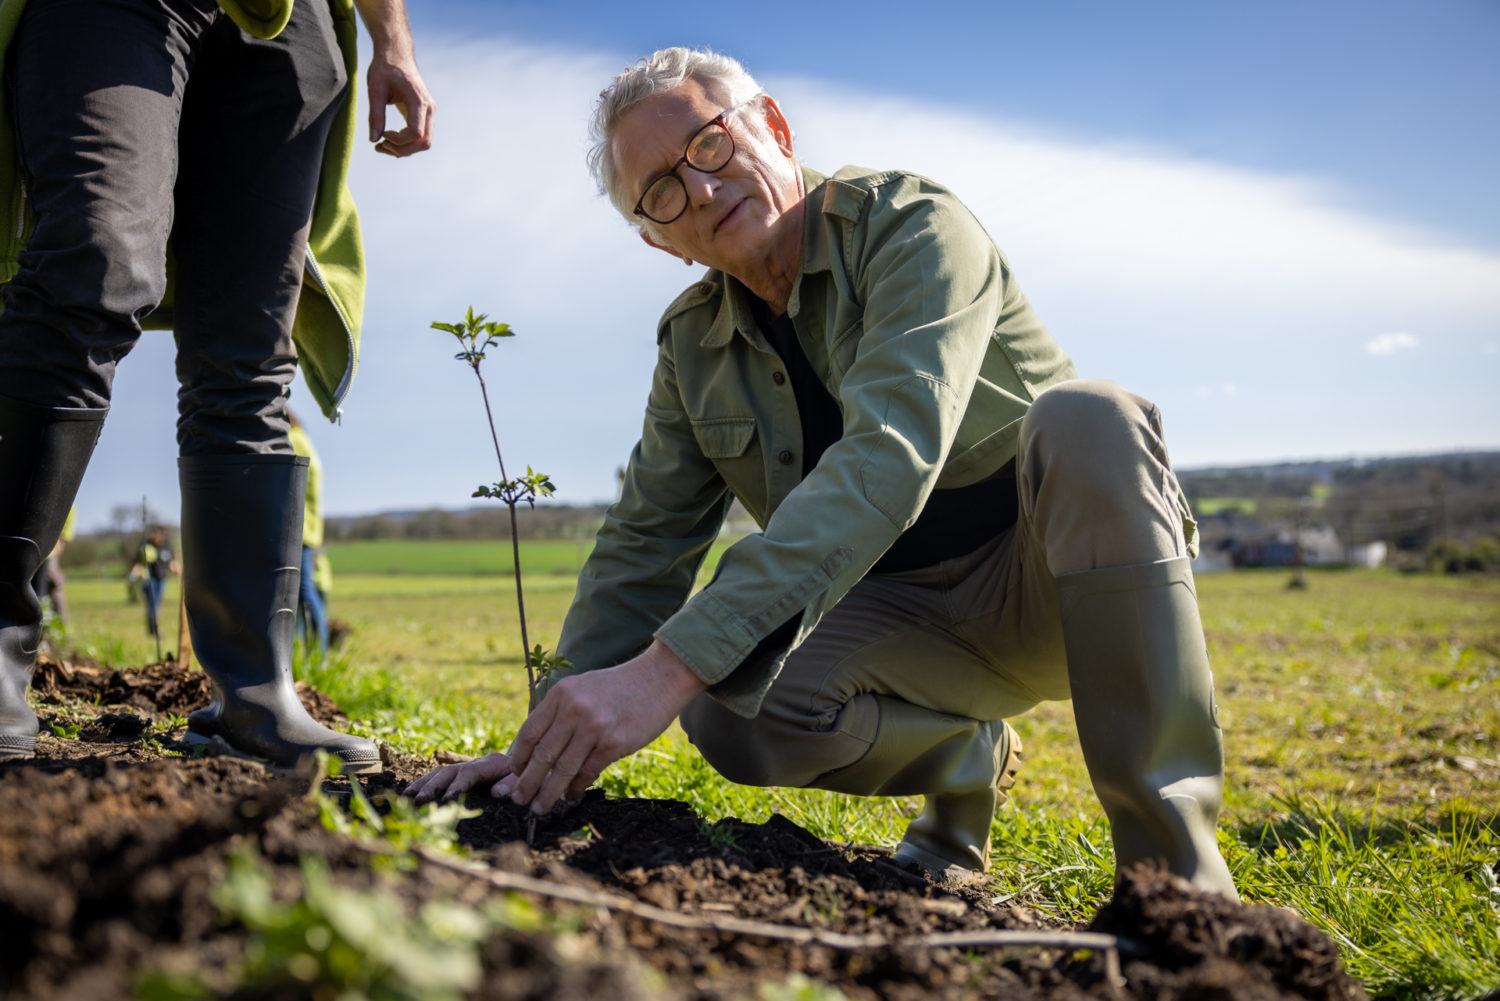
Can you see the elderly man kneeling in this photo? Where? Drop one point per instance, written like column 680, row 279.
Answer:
column 953, row 527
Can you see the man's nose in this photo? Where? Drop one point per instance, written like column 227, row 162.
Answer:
column 701, row 187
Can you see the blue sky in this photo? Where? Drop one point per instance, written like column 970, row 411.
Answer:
column 1279, row 221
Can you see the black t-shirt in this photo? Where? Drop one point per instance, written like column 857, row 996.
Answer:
column 952, row 522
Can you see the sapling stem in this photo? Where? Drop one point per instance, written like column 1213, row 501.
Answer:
column 515, row 539
column 477, row 334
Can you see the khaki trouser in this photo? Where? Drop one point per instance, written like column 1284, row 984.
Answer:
column 976, row 636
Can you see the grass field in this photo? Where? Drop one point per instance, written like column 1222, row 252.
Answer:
column 1362, row 728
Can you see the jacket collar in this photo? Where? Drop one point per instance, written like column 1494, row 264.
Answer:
column 735, row 313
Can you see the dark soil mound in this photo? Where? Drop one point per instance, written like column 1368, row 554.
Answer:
column 110, row 856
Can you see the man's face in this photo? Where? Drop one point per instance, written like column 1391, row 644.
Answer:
column 732, row 214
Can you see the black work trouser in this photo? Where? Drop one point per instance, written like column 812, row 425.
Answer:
column 151, row 129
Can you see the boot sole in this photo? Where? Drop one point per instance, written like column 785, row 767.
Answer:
column 352, row 766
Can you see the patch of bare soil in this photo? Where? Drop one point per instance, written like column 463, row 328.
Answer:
column 110, row 853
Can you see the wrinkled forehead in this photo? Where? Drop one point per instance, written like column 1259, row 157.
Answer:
column 652, row 134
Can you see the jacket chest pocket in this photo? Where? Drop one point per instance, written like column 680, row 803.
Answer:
column 730, row 443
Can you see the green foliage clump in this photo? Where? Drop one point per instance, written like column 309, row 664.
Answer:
column 398, row 829
column 1455, row 557
column 333, row 941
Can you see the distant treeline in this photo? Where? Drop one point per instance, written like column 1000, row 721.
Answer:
column 544, row 521
column 1415, row 504
column 1409, row 503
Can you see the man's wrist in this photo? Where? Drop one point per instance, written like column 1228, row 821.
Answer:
column 674, row 671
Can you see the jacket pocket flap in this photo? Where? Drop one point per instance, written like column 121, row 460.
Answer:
column 724, row 437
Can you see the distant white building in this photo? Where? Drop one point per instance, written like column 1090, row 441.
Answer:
column 1320, row 545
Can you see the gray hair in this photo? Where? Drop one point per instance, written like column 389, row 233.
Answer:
column 722, row 76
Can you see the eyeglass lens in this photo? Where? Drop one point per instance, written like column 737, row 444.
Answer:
column 708, row 151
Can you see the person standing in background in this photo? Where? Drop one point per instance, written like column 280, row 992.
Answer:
column 154, row 563
column 312, row 617
column 49, row 582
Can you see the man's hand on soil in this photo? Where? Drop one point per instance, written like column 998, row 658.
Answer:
column 452, row 781
column 590, row 720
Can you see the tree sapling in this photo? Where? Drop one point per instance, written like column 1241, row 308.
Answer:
column 477, row 334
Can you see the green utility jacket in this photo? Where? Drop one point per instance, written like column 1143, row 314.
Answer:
column 911, row 317
column 331, row 308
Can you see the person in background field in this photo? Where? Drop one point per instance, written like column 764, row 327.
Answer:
column 182, row 164
column 154, row 563
column 49, row 582
column 312, row 619
column 953, row 526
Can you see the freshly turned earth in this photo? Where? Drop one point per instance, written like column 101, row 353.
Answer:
column 109, row 854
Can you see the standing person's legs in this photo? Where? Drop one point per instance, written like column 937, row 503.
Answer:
column 95, row 88
column 152, row 588
column 1101, row 506
column 57, row 587
column 256, row 117
column 312, row 615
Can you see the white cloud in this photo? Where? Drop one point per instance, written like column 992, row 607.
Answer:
column 1161, row 272
column 1165, row 273
column 1392, row 343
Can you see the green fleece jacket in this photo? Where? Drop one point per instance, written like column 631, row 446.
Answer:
column 332, row 305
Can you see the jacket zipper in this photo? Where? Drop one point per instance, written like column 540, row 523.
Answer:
column 23, row 206
column 342, row 390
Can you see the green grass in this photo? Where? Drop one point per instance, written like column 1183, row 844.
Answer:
column 453, row 556
column 1362, row 730
column 1207, row 506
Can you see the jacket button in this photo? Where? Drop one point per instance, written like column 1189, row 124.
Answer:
column 778, row 377
column 704, row 288
column 784, row 457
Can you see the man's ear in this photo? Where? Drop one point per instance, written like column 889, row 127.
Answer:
column 777, row 123
column 664, row 248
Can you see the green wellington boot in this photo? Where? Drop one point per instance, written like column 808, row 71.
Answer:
column 1144, row 703
column 962, row 766
column 242, row 560
column 43, row 453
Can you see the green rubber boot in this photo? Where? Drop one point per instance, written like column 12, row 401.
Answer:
column 962, row 766
column 1147, row 722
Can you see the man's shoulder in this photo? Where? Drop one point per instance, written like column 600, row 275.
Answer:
column 854, row 191
column 704, row 294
